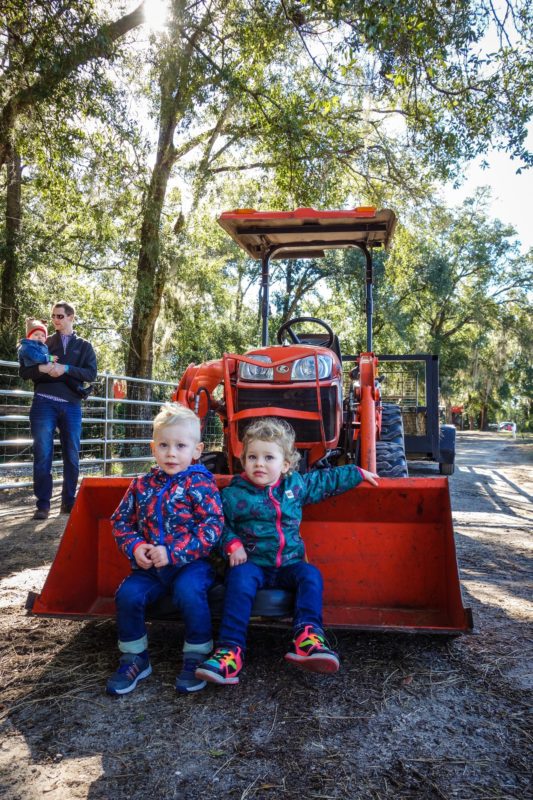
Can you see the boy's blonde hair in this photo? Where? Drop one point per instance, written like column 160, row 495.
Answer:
column 273, row 429
column 176, row 414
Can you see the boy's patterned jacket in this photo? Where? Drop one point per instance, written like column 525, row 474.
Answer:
column 266, row 520
column 183, row 512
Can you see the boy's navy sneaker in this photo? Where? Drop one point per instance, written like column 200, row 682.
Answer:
column 311, row 651
column 186, row 680
column 223, row 667
column 132, row 668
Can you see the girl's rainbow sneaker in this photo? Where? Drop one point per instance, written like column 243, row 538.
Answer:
column 311, row 651
column 223, row 666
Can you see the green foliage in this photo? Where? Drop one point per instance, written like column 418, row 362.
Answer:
column 458, row 71
column 273, row 105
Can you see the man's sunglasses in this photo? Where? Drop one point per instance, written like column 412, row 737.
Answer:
column 58, row 316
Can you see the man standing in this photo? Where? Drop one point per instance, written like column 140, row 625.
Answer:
column 57, row 404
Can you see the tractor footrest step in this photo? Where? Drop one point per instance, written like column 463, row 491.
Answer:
column 268, row 603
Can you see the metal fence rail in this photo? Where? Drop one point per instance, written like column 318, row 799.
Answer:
column 116, row 429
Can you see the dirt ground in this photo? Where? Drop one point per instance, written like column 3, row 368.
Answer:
column 406, row 716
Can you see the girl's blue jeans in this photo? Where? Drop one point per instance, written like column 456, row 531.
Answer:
column 244, row 581
column 188, row 586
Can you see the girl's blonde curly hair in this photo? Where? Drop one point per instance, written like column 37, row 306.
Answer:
column 273, row 429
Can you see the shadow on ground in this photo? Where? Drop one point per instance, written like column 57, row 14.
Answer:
column 392, row 723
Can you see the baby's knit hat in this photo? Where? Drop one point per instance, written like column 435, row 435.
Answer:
column 33, row 325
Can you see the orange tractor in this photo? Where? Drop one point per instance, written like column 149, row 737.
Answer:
column 387, row 554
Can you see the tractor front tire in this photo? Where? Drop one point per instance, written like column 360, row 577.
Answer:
column 390, row 460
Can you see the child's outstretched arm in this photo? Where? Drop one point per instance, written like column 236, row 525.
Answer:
column 323, row 483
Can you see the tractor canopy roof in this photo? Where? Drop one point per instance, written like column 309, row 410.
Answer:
column 306, row 232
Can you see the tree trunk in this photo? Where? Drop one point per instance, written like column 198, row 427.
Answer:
column 151, row 273
column 151, row 277
column 482, row 418
column 9, row 293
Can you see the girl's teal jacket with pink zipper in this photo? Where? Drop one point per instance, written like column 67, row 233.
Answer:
column 266, row 520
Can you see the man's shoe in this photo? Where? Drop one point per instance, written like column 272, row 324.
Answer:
column 187, row 680
column 310, row 651
column 41, row 513
column 223, row 667
column 66, row 508
column 131, row 669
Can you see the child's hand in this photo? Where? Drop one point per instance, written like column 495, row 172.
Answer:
column 142, row 555
column 370, row 477
column 238, row 557
column 159, row 556
column 54, row 358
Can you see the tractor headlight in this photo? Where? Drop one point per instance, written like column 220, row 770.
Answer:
column 305, row 368
column 249, row 372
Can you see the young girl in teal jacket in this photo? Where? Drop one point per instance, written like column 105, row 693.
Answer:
column 261, row 539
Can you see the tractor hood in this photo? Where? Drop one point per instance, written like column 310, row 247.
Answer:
column 305, row 232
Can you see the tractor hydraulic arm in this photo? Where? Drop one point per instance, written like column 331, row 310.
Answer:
column 368, row 400
column 197, row 385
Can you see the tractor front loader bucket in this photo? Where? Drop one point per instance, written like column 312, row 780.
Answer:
column 387, row 556
column 88, row 566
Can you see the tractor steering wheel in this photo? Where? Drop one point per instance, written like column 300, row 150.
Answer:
column 286, row 328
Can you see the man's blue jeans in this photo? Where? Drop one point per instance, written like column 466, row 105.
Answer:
column 244, row 581
column 188, row 586
column 45, row 416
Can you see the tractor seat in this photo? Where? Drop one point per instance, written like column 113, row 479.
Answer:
column 268, row 603
column 316, row 339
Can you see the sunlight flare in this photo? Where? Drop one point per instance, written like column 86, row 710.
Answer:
column 156, row 14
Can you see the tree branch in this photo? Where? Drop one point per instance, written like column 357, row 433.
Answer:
column 99, row 46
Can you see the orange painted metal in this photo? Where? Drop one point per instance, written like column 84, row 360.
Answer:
column 386, row 553
column 196, row 378
column 312, row 229
column 368, row 395
column 387, row 556
column 280, row 356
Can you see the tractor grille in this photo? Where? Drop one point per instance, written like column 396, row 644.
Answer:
column 294, row 400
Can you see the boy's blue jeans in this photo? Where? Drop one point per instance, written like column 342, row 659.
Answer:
column 45, row 416
column 188, row 586
column 244, row 581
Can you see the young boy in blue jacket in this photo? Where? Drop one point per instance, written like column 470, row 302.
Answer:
column 167, row 524
column 263, row 513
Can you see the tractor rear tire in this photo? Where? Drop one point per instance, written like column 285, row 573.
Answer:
column 390, row 460
column 390, row 450
column 391, row 424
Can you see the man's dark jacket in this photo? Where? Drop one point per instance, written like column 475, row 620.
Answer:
column 81, row 359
